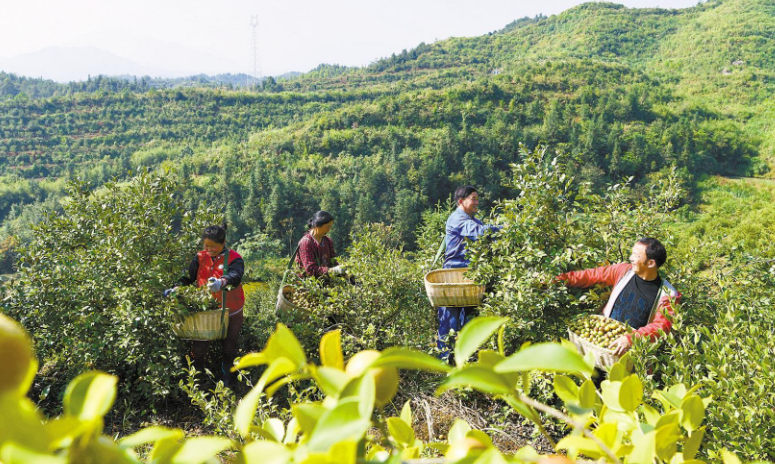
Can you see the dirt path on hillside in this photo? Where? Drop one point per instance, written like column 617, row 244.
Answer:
column 755, row 180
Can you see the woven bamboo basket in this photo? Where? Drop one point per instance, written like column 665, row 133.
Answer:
column 449, row 287
column 204, row 325
column 604, row 358
column 286, row 309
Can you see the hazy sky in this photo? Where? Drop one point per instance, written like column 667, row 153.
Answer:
column 293, row 35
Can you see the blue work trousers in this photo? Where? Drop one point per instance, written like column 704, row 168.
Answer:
column 451, row 318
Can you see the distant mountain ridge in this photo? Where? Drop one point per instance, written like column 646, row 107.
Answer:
column 65, row 64
column 68, row 64
column 706, row 38
column 673, row 41
column 716, row 39
column 719, row 54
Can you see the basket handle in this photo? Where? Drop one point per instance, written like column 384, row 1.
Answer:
column 440, row 252
column 224, row 309
column 288, row 267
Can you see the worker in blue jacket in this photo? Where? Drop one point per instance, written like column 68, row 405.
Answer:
column 461, row 225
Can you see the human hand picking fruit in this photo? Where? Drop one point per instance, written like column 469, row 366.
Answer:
column 214, row 285
column 621, row 345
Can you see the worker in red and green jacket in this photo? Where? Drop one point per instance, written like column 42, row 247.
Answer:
column 206, row 270
column 640, row 296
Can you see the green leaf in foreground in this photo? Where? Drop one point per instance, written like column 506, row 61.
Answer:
column 341, row 423
column 693, row 413
column 458, row 431
column 281, row 344
column 566, row 389
column 199, row 449
column 479, row 378
column 692, row 445
column 631, row 393
column 90, row 396
column 405, row 358
column 331, row 350
column 400, row 431
column 474, row 334
column 266, row 452
column 12, row 454
column 547, row 357
column 645, row 450
column 150, row 435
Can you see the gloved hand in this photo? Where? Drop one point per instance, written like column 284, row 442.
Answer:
column 168, row 292
column 336, row 270
column 215, row 285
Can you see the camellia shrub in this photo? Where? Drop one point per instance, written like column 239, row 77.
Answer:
column 261, row 255
column 722, row 340
column 556, row 224
column 379, row 303
column 89, row 286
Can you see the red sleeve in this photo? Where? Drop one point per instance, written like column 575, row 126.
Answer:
column 607, row 275
column 660, row 322
column 307, row 261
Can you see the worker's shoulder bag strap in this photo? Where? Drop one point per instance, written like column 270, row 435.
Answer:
column 288, row 268
column 440, row 252
column 224, row 309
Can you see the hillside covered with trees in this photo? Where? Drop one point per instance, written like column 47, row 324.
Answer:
column 627, row 92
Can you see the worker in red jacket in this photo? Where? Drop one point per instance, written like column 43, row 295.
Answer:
column 206, row 270
column 640, row 296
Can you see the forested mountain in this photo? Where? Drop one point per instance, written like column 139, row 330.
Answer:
column 623, row 92
column 12, row 85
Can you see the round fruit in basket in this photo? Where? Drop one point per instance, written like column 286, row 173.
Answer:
column 599, row 330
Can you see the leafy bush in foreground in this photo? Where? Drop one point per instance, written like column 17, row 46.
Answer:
column 722, row 333
column 609, row 425
column 723, row 341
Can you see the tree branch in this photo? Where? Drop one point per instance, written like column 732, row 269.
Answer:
column 558, row 415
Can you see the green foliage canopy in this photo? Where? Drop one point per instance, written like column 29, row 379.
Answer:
column 89, row 284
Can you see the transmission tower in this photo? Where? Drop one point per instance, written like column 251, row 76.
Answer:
column 256, row 74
